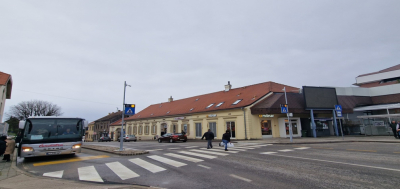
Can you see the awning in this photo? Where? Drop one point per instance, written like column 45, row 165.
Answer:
column 377, row 107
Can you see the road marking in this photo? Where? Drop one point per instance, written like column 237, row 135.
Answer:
column 56, row 174
column 322, row 148
column 173, row 148
column 361, row 150
column 167, row 161
column 204, row 166
column 219, row 150
column 154, row 150
column 89, row 174
column 243, row 148
column 122, row 171
column 235, row 149
column 239, row 177
column 302, row 148
column 199, row 155
column 285, row 150
column 336, row 162
column 268, row 153
column 209, row 152
column 146, row 165
column 195, row 160
column 70, row 160
column 191, row 147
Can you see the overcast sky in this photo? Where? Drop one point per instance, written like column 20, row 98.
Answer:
column 78, row 53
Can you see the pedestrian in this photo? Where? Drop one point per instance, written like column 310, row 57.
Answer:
column 398, row 129
column 226, row 138
column 393, row 126
column 209, row 137
column 10, row 149
column 3, row 145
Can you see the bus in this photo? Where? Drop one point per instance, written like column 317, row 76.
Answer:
column 51, row 135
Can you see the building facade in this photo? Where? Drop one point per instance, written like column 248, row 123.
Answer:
column 102, row 125
column 5, row 91
column 89, row 134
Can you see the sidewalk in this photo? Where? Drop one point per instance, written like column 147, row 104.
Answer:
column 13, row 177
column 330, row 139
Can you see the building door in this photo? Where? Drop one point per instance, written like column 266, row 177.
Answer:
column 230, row 125
column 198, row 130
column 266, row 128
column 213, row 127
column 163, row 129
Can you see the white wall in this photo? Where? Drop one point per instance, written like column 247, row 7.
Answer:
column 375, row 91
column 377, row 77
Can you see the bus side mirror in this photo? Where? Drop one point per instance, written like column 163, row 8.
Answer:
column 21, row 124
column 85, row 124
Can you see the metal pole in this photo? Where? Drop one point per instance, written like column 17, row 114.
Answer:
column 341, row 128
column 121, row 137
column 335, row 123
column 387, row 109
column 313, row 124
column 287, row 114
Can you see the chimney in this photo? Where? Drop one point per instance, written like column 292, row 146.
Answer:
column 170, row 99
column 228, row 87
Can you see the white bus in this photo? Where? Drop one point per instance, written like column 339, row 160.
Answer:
column 51, row 135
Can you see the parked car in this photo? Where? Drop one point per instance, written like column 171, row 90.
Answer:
column 170, row 137
column 128, row 138
column 104, row 138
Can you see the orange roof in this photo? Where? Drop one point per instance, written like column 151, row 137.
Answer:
column 4, row 78
column 393, row 68
column 247, row 95
column 117, row 123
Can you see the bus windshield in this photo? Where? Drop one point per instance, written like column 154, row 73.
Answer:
column 49, row 129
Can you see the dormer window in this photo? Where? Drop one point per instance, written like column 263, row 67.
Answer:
column 237, row 101
column 210, row 105
column 197, row 99
column 219, row 104
column 151, row 114
column 168, row 112
column 191, row 109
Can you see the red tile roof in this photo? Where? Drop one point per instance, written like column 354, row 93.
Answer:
column 248, row 94
column 117, row 123
column 393, row 68
column 4, row 78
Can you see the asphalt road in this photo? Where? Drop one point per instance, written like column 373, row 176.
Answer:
column 247, row 165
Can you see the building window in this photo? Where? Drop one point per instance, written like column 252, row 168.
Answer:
column 198, row 130
column 213, row 127
column 129, row 130
column 147, row 130
column 185, row 128
column 154, row 129
column 230, row 125
column 209, row 106
column 237, row 101
column 219, row 104
column 134, row 130
column 173, row 128
column 140, row 130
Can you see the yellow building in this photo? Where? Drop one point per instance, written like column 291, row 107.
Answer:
column 230, row 109
column 90, row 132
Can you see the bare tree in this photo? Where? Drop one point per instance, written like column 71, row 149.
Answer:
column 34, row 108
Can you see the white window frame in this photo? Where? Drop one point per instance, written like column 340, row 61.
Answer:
column 237, row 102
column 209, row 106
column 218, row 105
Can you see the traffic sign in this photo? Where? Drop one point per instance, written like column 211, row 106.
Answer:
column 339, row 113
column 284, row 110
column 129, row 109
column 338, row 107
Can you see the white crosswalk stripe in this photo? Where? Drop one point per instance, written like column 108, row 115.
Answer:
column 146, row 165
column 235, row 149
column 268, row 153
column 209, row 152
column 302, row 148
column 191, row 147
column 286, row 150
column 167, row 161
column 220, row 150
column 56, row 174
column 89, row 174
column 122, row 171
column 243, row 148
column 195, row 160
column 197, row 154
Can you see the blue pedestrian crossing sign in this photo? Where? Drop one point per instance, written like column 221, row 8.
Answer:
column 129, row 109
column 284, row 110
column 339, row 113
column 338, row 107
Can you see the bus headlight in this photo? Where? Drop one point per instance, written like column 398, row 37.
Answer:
column 27, row 149
column 76, row 146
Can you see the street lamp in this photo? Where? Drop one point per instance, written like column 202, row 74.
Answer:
column 290, row 125
column 121, row 139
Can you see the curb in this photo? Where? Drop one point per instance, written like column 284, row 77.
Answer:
column 120, row 153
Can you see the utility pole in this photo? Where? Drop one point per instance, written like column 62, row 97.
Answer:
column 121, row 137
column 287, row 114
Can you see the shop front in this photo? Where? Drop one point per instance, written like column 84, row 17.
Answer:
column 266, row 125
column 284, row 127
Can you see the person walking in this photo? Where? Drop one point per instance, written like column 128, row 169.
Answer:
column 398, row 129
column 393, row 126
column 209, row 137
column 226, row 138
column 10, row 149
column 3, row 145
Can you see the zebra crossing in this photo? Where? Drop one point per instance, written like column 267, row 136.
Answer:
column 151, row 163
column 285, row 150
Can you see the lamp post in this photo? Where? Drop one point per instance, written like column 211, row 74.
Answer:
column 121, row 139
column 287, row 114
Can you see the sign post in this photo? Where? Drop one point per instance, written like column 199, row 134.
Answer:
column 285, row 109
column 121, row 138
column 339, row 109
